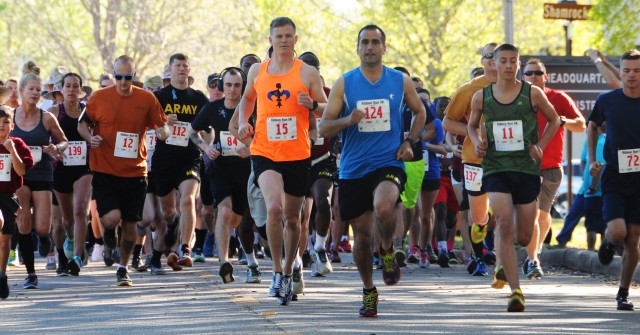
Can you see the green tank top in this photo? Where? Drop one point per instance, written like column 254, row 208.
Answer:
column 510, row 129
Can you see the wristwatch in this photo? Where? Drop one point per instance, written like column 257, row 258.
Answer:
column 315, row 106
column 563, row 121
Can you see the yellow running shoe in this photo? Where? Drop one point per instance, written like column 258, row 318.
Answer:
column 516, row 302
column 499, row 278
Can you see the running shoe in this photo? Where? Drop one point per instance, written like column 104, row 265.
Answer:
column 172, row 261
column 75, row 265
column 346, row 246
column 624, row 304
column 31, row 282
column 334, row 256
column 107, row 255
column 369, row 308
column 157, row 270
column 242, row 258
column 432, row 255
column 226, row 273
column 276, row 284
column 314, row 272
column 443, row 259
column 171, row 235
column 424, row 259
column 257, row 251
column 481, row 270
column 298, row 280
column 471, row 265
column 96, row 254
column 122, row 277
column 323, row 266
column 147, row 263
column 489, row 257
column 63, row 270
column 525, row 266
column 306, row 258
column 478, row 233
column 51, row 261
column 606, row 252
column 185, row 257
column 68, row 248
column 135, row 262
column 253, row 275
column 110, row 238
column 391, row 273
column 499, row 278
column 198, row 255
column 286, row 291
column 453, row 259
column 516, row 302
column 4, row 288
column 401, row 257
column 535, row 271
column 209, row 241
column 13, row 260
column 414, row 255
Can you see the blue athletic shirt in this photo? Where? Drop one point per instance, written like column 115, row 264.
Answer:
column 623, row 122
column 365, row 152
column 434, row 161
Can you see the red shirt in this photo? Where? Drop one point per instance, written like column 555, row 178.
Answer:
column 564, row 105
column 25, row 154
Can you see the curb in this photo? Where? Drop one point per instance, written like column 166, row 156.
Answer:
column 583, row 260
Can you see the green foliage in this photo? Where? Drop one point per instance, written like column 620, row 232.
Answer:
column 619, row 25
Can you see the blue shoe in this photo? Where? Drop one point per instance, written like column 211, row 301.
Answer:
column 68, row 248
column 481, row 269
column 74, row 265
column 208, row 245
column 276, row 284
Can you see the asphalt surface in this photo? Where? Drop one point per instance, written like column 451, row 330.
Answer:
column 195, row 301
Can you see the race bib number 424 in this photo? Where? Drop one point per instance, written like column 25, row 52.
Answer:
column 376, row 115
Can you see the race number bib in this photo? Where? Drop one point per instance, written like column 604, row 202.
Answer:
column 376, row 115
column 282, row 128
column 5, row 167
column 36, row 152
column 628, row 160
column 126, row 145
column 179, row 134
column 151, row 140
column 472, row 178
column 425, row 157
column 319, row 140
column 508, row 135
column 229, row 144
column 76, row 154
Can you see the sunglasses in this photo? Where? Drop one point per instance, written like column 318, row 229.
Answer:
column 488, row 56
column 214, row 84
column 536, row 72
column 126, row 77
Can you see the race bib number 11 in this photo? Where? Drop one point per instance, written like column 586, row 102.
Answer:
column 508, row 135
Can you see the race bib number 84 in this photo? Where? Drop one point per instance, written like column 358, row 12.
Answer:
column 376, row 115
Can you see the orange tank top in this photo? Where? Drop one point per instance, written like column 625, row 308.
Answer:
column 282, row 126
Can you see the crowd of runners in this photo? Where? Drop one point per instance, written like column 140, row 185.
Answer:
column 273, row 163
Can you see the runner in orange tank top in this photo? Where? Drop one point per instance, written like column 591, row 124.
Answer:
column 286, row 90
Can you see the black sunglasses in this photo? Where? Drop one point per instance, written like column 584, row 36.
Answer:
column 488, row 56
column 214, row 84
column 536, row 72
column 126, row 77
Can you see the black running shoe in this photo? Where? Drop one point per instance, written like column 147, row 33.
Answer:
column 110, row 238
column 226, row 273
column 4, row 288
column 122, row 278
column 306, row 259
column 31, row 282
column 63, row 269
column 107, row 255
column 606, row 252
column 624, row 304
column 443, row 260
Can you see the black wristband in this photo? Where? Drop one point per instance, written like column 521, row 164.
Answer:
column 315, row 106
column 563, row 121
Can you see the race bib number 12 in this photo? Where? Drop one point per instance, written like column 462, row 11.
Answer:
column 126, row 145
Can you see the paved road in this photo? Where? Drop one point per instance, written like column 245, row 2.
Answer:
column 195, row 301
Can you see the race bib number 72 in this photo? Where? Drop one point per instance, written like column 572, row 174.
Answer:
column 629, row 160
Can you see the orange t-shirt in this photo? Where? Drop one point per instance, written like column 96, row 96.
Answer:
column 282, row 125
column 118, row 119
column 459, row 109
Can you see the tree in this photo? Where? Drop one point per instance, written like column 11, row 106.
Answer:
column 620, row 28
